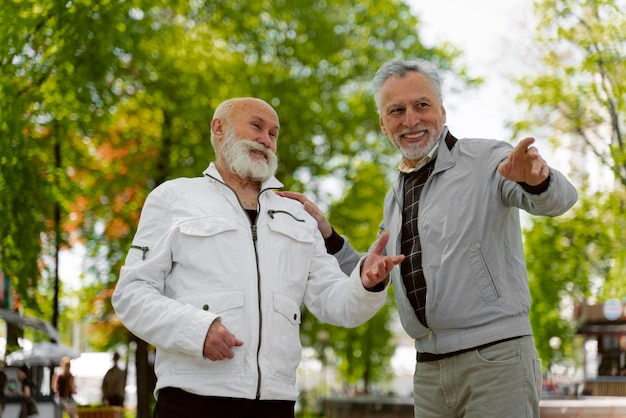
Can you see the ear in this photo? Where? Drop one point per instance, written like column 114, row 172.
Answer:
column 382, row 126
column 217, row 127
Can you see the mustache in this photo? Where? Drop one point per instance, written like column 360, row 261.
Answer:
column 255, row 146
column 416, row 128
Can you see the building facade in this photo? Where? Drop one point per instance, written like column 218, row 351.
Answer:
column 603, row 327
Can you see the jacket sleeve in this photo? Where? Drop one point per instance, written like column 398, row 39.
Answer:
column 347, row 257
column 557, row 199
column 334, row 298
column 139, row 299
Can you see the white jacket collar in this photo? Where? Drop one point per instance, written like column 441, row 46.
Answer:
column 271, row 183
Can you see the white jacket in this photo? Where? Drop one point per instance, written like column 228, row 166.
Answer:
column 196, row 257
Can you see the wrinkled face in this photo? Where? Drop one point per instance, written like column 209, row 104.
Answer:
column 411, row 115
column 247, row 158
column 246, row 135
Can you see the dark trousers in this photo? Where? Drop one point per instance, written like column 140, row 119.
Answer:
column 176, row 403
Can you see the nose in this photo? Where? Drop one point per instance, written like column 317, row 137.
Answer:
column 265, row 139
column 411, row 118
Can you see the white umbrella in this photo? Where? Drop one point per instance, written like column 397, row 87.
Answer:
column 41, row 354
column 14, row 317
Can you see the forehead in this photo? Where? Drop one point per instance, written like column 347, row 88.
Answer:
column 257, row 110
column 406, row 89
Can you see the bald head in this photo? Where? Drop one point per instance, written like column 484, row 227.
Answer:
column 230, row 110
column 244, row 132
column 227, row 107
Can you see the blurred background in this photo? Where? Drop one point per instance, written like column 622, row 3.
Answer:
column 101, row 101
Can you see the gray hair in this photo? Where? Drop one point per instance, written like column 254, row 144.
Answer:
column 400, row 68
column 224, row 109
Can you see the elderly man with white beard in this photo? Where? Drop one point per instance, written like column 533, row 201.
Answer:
column 218, row 270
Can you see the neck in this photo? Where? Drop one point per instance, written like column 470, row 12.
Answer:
column 247, row 190
column 237, row 182
column 412, row 163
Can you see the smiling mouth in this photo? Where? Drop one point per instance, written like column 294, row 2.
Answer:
column 414, row 135
column 258, row 153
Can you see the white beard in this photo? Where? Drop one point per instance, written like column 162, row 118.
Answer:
column 236, row 153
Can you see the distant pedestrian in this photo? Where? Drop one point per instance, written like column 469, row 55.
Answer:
column 64, row 387
column 3, row 384
column 113, row 384
column 28, row 405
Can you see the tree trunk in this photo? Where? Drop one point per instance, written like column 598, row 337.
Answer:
column 146, row 379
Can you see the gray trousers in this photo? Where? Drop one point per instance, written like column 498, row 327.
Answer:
column 500, row 381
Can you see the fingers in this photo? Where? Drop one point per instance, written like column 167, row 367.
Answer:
column 539, row 166
column 539, row 169
column 219, row 342
column 521, row 149
column 524, row 164
column 381, row 243
column 382, row 267
column 293, row 195
column 379, row 270
column 525, row 143
column 376, row 266
column 323, row 225
column 387, row 263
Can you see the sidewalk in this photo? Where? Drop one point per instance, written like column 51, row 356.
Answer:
column 586, row 407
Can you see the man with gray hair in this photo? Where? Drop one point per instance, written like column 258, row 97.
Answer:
column 462, row 290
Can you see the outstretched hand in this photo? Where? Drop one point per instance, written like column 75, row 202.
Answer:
column 524, row 164
column 376, row 266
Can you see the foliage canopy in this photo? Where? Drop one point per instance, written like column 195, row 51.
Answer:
column 104, row 100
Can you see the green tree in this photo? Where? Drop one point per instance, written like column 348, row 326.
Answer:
column 102, row 101
column 572, row 259
column 362, row 353
column 578, row 101
column 580, row 91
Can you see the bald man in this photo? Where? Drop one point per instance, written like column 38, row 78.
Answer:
column 218, row 270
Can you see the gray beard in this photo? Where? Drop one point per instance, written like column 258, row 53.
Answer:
column 236, row 153
column 418, row 151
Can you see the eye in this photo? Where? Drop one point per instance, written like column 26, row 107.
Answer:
column 396, row 111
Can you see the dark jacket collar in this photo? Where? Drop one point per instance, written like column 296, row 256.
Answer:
column 450, row 141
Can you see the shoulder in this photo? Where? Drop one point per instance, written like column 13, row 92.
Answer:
column 284, row 202
column 179, row 185
column 483, row 144
column 172, row 191
column 488, row 151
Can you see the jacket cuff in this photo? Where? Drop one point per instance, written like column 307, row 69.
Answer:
column 334, row 243
column 379, row 287
column 538, row 189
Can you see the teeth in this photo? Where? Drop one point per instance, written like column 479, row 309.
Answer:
column 413, row 136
